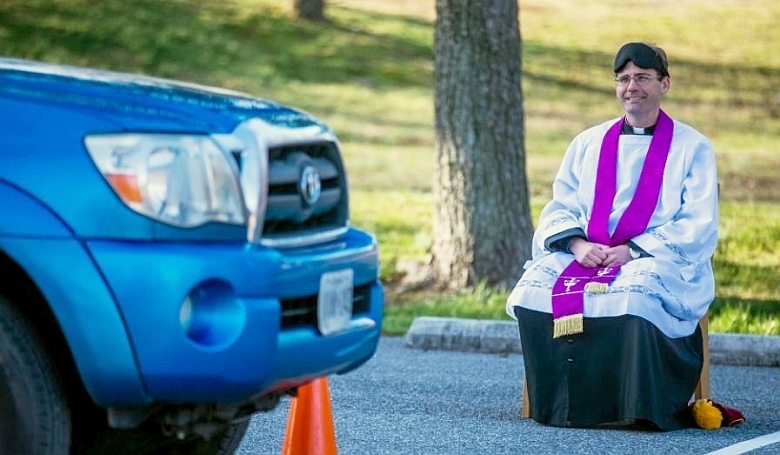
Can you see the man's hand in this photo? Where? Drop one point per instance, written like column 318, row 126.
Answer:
column 589, row 254
column 617, row 255
column 592, row 255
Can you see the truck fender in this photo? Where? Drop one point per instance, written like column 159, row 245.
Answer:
column 77, row 295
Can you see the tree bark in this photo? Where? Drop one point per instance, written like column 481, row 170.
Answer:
column 313, row 10
column 482, row 226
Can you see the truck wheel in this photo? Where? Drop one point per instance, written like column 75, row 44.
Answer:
column 34, row 417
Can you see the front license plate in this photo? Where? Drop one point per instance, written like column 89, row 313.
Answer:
column 334, row 302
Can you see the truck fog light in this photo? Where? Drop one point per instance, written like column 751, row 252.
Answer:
column 212, row 315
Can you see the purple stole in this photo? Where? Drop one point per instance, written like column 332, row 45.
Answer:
column 568, row 290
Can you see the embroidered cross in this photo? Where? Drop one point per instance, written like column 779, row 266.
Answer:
column 570, row 282
column 604, row 271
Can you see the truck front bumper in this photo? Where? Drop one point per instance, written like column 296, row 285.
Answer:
column 205, row 320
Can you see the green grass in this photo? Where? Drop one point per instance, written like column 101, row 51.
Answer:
column 368, row 73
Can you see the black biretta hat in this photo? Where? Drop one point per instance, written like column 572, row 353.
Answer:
column 642, row 55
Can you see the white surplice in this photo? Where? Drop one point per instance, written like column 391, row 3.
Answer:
column 675, row 286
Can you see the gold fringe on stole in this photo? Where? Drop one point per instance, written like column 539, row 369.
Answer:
column 567, row 325
column 596, row 288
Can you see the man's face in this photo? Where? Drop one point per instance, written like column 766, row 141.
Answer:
column 640, row 100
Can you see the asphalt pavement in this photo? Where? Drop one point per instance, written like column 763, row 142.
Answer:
column 454, row 387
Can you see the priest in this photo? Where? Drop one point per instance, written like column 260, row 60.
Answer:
column 608, row 306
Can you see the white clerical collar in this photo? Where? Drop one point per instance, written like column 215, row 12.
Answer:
column 628, row 129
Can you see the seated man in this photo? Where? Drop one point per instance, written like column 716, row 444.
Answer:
column 608, row 307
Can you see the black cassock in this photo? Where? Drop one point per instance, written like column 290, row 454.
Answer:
column 620, row 369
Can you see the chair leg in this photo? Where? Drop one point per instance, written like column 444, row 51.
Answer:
column 703, row 387
column 525, row 413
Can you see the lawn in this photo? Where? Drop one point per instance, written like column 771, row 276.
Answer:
column 368, row 73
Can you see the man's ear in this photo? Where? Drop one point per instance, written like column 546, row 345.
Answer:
column 666, row 84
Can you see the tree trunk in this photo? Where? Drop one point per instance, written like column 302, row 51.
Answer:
column 482, row 226
column 313, row 10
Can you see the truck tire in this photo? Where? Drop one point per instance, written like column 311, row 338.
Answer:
column 34, row 417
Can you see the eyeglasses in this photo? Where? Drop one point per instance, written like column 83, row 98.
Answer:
column 641, row 79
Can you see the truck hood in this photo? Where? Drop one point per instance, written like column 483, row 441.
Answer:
column 142, row 103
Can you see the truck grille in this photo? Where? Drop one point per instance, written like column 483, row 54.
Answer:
column 307, row 194
column 302, row 312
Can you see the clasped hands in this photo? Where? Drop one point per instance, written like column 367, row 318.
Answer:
column 591, row 254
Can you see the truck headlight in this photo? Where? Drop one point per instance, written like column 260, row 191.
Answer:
column 182, row 180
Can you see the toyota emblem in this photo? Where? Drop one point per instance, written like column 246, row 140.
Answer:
column 310, row 184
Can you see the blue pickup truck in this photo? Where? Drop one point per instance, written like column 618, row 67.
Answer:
column 173, row 258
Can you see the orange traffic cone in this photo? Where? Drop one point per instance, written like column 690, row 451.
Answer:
column 310, row 423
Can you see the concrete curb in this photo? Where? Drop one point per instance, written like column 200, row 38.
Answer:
column 501, row 337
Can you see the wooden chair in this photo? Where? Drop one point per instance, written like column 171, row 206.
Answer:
column 702, row 388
